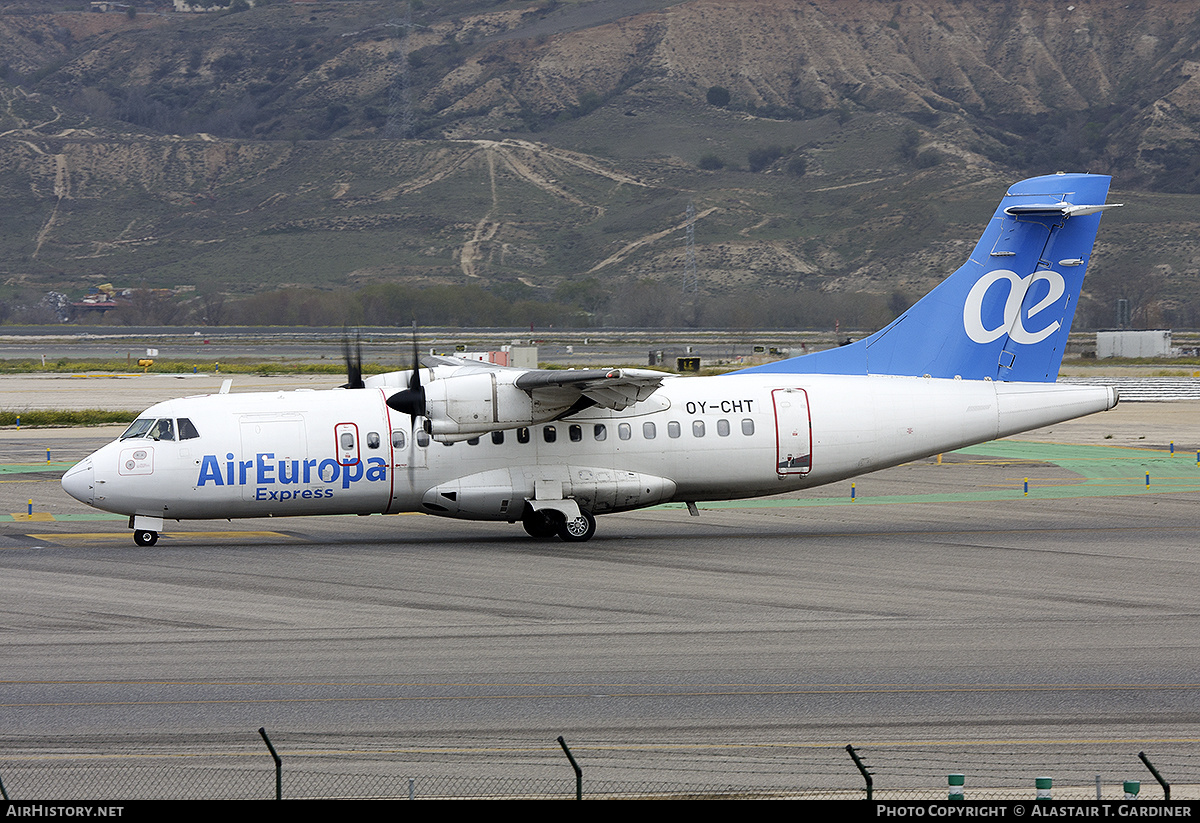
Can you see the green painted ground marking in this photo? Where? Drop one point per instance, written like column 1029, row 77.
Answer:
column 1095, row 463
column 1105, row 471
column 26, row 468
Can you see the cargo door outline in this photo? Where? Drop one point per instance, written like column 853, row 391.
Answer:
column 283, row 438
column 793, row 432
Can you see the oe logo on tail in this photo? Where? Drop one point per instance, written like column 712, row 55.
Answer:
column 1013, row 324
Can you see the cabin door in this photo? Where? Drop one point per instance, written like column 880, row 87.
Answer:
column 793, row 432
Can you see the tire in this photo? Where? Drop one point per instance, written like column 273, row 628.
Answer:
column 579, row 529
column 145, row 538
column 538, row 525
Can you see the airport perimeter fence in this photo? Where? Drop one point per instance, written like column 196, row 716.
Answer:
column 609, row 769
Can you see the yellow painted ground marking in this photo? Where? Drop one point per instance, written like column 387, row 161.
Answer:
column 103, row 535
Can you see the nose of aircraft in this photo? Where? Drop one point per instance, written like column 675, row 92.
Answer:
column 78, row 481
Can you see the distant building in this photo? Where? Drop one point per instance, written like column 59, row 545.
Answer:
column 1149, row 343
column 521, row 357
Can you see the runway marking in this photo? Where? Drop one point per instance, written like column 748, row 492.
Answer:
column 125, row 535
column 731, row 691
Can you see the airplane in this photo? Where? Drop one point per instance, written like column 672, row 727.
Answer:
column 975, row 359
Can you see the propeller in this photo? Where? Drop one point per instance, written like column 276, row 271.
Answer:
column 411, row 401
column 353, row 358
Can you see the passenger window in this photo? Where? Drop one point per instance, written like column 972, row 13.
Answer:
column 523, row 435
column 648, row 431
column 672, row 429
column 373, row 440
column 599, row 432
column 186, row 430
column 723, row 427
column 474, row 441
column 747, row 427
column 549, row 434
column 575, row 433
column 697, row 428
column 347, row 440
column 163, row 430
column 422, row 438
column 498, row 438
column 624, row 432
column 398, row 439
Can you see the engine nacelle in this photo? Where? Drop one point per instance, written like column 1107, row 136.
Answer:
column 462, row 406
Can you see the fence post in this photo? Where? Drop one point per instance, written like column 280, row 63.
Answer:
column 1165, row 785
column 278, row 763
column 863, row 769
column 575, row 766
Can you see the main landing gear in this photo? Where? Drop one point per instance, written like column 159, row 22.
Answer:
column 547, row 523
column 145, row 538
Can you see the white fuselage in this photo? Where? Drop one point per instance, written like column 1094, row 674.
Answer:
column 695, row 439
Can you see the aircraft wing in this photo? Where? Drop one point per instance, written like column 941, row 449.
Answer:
column 615, row 389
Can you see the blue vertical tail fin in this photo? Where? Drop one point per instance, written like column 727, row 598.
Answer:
column 1004, row 314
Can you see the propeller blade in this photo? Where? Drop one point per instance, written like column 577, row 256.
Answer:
column 353, row 359
column 411, row 401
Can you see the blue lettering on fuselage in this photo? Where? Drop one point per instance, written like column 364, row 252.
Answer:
column 265, row 470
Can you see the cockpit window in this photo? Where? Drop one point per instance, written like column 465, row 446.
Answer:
column 186, row 430
column 163, row 430
column 137, row 428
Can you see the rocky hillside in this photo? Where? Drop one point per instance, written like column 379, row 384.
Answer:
column 550, row 150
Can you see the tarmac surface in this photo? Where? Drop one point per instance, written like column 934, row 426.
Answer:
column 941, row 621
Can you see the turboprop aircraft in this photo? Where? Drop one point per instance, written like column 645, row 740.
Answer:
column 973, row 360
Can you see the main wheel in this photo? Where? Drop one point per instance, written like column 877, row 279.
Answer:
column 538, row 525
column 578, row 529
column 145, row 538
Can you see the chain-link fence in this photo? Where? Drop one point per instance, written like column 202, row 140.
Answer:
column 501, row 768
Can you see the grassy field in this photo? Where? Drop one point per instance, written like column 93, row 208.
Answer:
column 70, row 366
column 48, row 418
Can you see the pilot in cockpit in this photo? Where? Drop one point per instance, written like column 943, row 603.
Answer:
column 164, row 429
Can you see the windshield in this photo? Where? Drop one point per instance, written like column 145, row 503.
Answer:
column 138, row 428
column 161, row 429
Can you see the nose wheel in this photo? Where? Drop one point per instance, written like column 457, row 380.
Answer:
column 145, row 538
